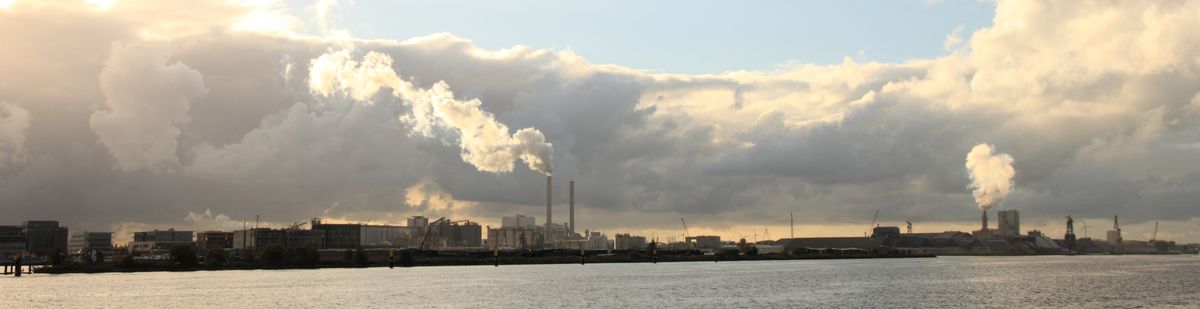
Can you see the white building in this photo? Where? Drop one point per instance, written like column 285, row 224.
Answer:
column 629, row 242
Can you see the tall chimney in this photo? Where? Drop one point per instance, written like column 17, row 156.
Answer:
column 571, row 228
column 548, row 218
column 984, row 220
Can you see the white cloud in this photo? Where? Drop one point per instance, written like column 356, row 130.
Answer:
column 14, row 122
column 1098, row 100
column 146, row 99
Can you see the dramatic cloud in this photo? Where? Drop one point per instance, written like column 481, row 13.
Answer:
column 991, row 175
column 14, row 121
column 133, row 116
column 485, row 142
column 146, row 100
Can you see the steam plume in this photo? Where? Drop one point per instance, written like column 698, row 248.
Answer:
column 991, row 175
column 485, row 142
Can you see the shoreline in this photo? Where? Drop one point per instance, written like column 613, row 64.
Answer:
column 436, row 261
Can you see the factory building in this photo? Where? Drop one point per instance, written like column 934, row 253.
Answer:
column 1010, row 223
column 157, row 241
column 261, row 238
column 629, row 242
column 518, row 221
column 376, row 236
column 99, row 241
column 507, row 238
column 704, row 242
column 592, row 241
column 457, row 234
column 339, row 236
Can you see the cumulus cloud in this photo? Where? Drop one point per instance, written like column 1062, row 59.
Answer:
column 1098, row 100
column 146, row 99
column 14, row 121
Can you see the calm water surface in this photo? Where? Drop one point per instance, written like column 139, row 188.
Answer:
column 946, row 282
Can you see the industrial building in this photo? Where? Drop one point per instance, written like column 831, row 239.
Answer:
column 385, row 236
column 261, row 238
column 156, row 241
column 1010, row 223
column 456, row 234
column 629, row 242
column 707, row 242
column 339, row 236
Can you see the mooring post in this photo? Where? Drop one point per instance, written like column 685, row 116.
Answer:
column 17, row 261
column 392, row 259
column 654, row 256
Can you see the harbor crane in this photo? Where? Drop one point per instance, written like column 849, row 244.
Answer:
column 1155, row 237
column 429, row 228
column 873, row 220
column 909, row 227
column 685, row 233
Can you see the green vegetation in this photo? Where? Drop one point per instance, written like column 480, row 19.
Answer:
column 184, row 255
column 216, row 258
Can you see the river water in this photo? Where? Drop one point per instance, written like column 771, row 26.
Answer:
column 944, row 282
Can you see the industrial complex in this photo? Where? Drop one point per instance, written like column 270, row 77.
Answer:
column 47, row 240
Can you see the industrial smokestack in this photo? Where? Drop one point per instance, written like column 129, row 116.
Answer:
column 984, row 220
column 548, row 218
column 571, row 228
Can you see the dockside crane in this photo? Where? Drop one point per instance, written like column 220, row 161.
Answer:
column 685, row 233
column 909, row 227
column 429, row 228
column 1155, row 237
column 873, row 220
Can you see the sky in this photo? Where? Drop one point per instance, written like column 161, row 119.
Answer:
column 125, row 115
column 690, row 37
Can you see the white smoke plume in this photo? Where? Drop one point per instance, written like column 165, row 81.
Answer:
column 14, row 121
column 485, row 142
column 991, row 175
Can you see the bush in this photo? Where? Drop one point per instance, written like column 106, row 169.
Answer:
column 127, row 261
column 183, row 254
column 360, row 257
column 57, row 258
column 274, row 254
column 307, row 256
column 406, row 259
column 216, row 258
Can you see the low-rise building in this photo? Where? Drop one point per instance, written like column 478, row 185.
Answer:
column 157, row 242
column 214, row 240
column 12, row 241
column 261, row 238
column 99, row 241
column 45, row 237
